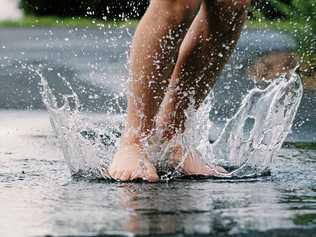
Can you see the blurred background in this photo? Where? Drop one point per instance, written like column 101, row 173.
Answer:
column 87, row 42
column 297, row 17
column 82, row 46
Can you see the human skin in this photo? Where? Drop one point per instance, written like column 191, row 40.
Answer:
column 178, row 49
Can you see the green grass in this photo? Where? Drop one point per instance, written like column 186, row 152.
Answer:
column 52, row 21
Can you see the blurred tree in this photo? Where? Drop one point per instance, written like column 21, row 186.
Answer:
column 286, row 9
column 268, row 9
column 120, row 9
column 298, row 10
column 302, row 12
column 109, row 9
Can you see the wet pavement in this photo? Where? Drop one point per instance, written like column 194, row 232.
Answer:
column 39, row 198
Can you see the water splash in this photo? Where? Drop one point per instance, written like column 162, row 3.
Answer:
column 246, row 146
column 253, row 136
column 87, row 146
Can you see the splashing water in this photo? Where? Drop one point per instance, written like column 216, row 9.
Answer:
column 87, row 147
column 253, row 136
column 245, row 147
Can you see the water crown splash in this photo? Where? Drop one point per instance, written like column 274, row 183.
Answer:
column 253, row 136
column 245, row 147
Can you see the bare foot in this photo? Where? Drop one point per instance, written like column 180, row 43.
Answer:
column 130, row 163
column 192, row 164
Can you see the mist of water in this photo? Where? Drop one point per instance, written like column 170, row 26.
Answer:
column 245, row 147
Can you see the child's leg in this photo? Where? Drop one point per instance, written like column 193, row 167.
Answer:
column 153, row 55
column 203, row 53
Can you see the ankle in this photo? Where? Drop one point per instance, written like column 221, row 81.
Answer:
column 166, row 131
column 132, row 138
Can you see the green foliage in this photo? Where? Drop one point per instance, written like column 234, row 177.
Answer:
column 298, row 10
column 301, row 8
column 294, row 10
column 267, row 9
column 302, row 11
column 53, row 21
column 286, row 9
column 297, row 17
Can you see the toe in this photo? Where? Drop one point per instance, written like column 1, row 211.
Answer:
column 137, row 174
column 216, row 170
column 112, row 172
column 221, row 169
column 119, row 175
column 125, row 176
column 114, row 175
column 150, row 174
column 146, row 176
column 152, row 178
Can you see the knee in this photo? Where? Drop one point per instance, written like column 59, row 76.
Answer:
column 181, row 10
